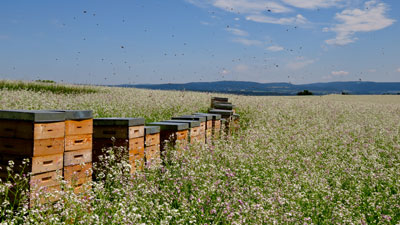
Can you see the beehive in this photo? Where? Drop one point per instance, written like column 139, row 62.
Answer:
column 172, row 133
column 78, row 148
column 125, row 132
column 217, row 100
column 194, row 129
column 152, row 146
column 201, row 119
column 225, row 114
column 216, row 123
column 37, row 136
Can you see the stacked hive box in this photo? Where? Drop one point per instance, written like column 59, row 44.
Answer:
column 152, row 146
column 216, row 123
column 225, row 114
column 172, row 133
column 201, row 119
column 37, row 136
column 194, row 129
column 218, row 100
column 78, row 148
column 128, row 132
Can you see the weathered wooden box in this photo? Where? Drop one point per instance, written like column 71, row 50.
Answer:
column 201, row 119
column 37, row 136
column 125, row 132
column 152, row 146
column 216, row 123
column 172, row 133
column 194, row 129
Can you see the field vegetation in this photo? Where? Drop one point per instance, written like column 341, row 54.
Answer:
column 296, row 160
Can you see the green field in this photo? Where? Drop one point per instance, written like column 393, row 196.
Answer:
column 297, row 160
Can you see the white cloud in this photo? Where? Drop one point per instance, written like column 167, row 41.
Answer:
column 299, row 19
column 247, row 42
column 372, row 70
column 312, row 4
column 250, row 6
column 238, row 32
column 299, row 63
column 339, row 73
column 275, row 48
column 372, row 18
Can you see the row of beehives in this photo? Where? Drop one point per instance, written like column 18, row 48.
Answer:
column 70, row 141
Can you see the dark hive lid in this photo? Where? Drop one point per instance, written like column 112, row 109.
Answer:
column 170, row 126
column 151, row 129
column 76, row 114
column 222, row 112
column 224, row 106
column 191, row 123
column 191, row 117
column 118, row 121
column 36, row 116
column 213, row 116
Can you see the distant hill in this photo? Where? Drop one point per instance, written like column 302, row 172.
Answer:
column 254, row 88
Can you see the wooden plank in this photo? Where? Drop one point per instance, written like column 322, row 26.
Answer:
column 49, row 130
column 76, row 127
column 209, row 124
column 47, row 179
column 29, row 148
column 78, row 142
column 136, row 131
column 78, row 174
column 77, row 157
column 110, row 131
column 41, row 164
column 136, row 159
column 136, row 144
column 203, row 127
column 16, row 129
column 152, row 139
column 182, row 135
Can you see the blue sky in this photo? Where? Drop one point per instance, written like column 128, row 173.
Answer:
column 148, row 41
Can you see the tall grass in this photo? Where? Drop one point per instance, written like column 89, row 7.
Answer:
column 46, row 87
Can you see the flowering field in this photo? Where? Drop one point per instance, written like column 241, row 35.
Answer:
column 301, row 160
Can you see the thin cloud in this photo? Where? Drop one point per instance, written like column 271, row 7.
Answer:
column 275, row 48
column 247, row 42
column 398, row 70
column 312, row 4
column 339, row 73
column 372, row 18
column 300, row 63
column 251, row 6
column 238, row 32
column 299, row 19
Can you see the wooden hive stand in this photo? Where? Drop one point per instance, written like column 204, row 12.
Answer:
column 194, row 130
column 39, row 137
column 152, row 146
column 203, row 124
column 174, row 134
column 216, row 124
column 126, row 132
column 78, row 149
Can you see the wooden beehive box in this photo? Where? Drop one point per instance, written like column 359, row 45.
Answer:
column 37, row 136
column 225, row 114
column 201, row 119
column 78, row 148
column 172, row 133
column 216, row 123
column 217, row 100
column 194, row 129
column 152, row 146
column 126, row 132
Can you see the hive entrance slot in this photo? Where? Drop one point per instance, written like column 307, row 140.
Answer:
column 78, row 141
column 49, row 130
column 78, row 156
column 49, row 146
column 79, row 127
column 46, row 178
column 47, row 162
